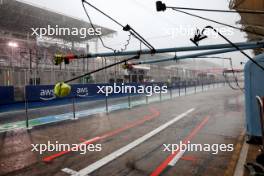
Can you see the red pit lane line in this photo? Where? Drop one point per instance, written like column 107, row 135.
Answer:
column 155, row 113
column 189, row 158
column 165, row 163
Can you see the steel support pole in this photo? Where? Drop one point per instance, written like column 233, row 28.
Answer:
column 73, row 108
column 160, row 95
column 170, row 92
column 178, row 49
column 106, row 105
column 26, row 108
column 129, row 101
column 195, row 87
column 219, row 51
column 179, row 90
column 185, row 88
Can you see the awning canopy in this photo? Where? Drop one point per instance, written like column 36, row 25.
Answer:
column 251, row 22
column 17, row 18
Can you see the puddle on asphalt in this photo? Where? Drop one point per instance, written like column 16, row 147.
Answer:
column 234, row 103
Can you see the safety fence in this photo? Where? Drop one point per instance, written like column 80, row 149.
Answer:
column 42, row 107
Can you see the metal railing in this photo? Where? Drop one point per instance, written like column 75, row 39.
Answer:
column 39, row 113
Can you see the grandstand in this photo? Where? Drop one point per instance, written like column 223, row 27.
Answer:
column 16, row 25
column 27, row 59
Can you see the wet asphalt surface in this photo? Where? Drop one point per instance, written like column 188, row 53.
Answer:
column 55, row 110
column 223, row 107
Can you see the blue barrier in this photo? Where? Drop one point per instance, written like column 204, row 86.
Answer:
column 6, row 95
column 87, row 91
column 46, row 92
column 42, row 93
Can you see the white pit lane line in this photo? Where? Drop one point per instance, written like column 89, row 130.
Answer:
column 176, row 158
column 107, row 159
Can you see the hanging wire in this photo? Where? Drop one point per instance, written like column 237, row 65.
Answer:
column 100, row 38
column 235, row 46
column 115, row 21
column 124, row 48
column 103, row 68
column 127, row 28
column 229, row 83
column 238, row 87
column 255, row 12
column 127, row 44
column 235, row 77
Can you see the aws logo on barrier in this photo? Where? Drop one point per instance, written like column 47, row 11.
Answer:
column 82, row 92
column 47, row 94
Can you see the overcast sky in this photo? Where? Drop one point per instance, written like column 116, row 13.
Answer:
column 159, row 28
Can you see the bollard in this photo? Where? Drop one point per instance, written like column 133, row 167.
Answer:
column 202, row 87
column 147, row 99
